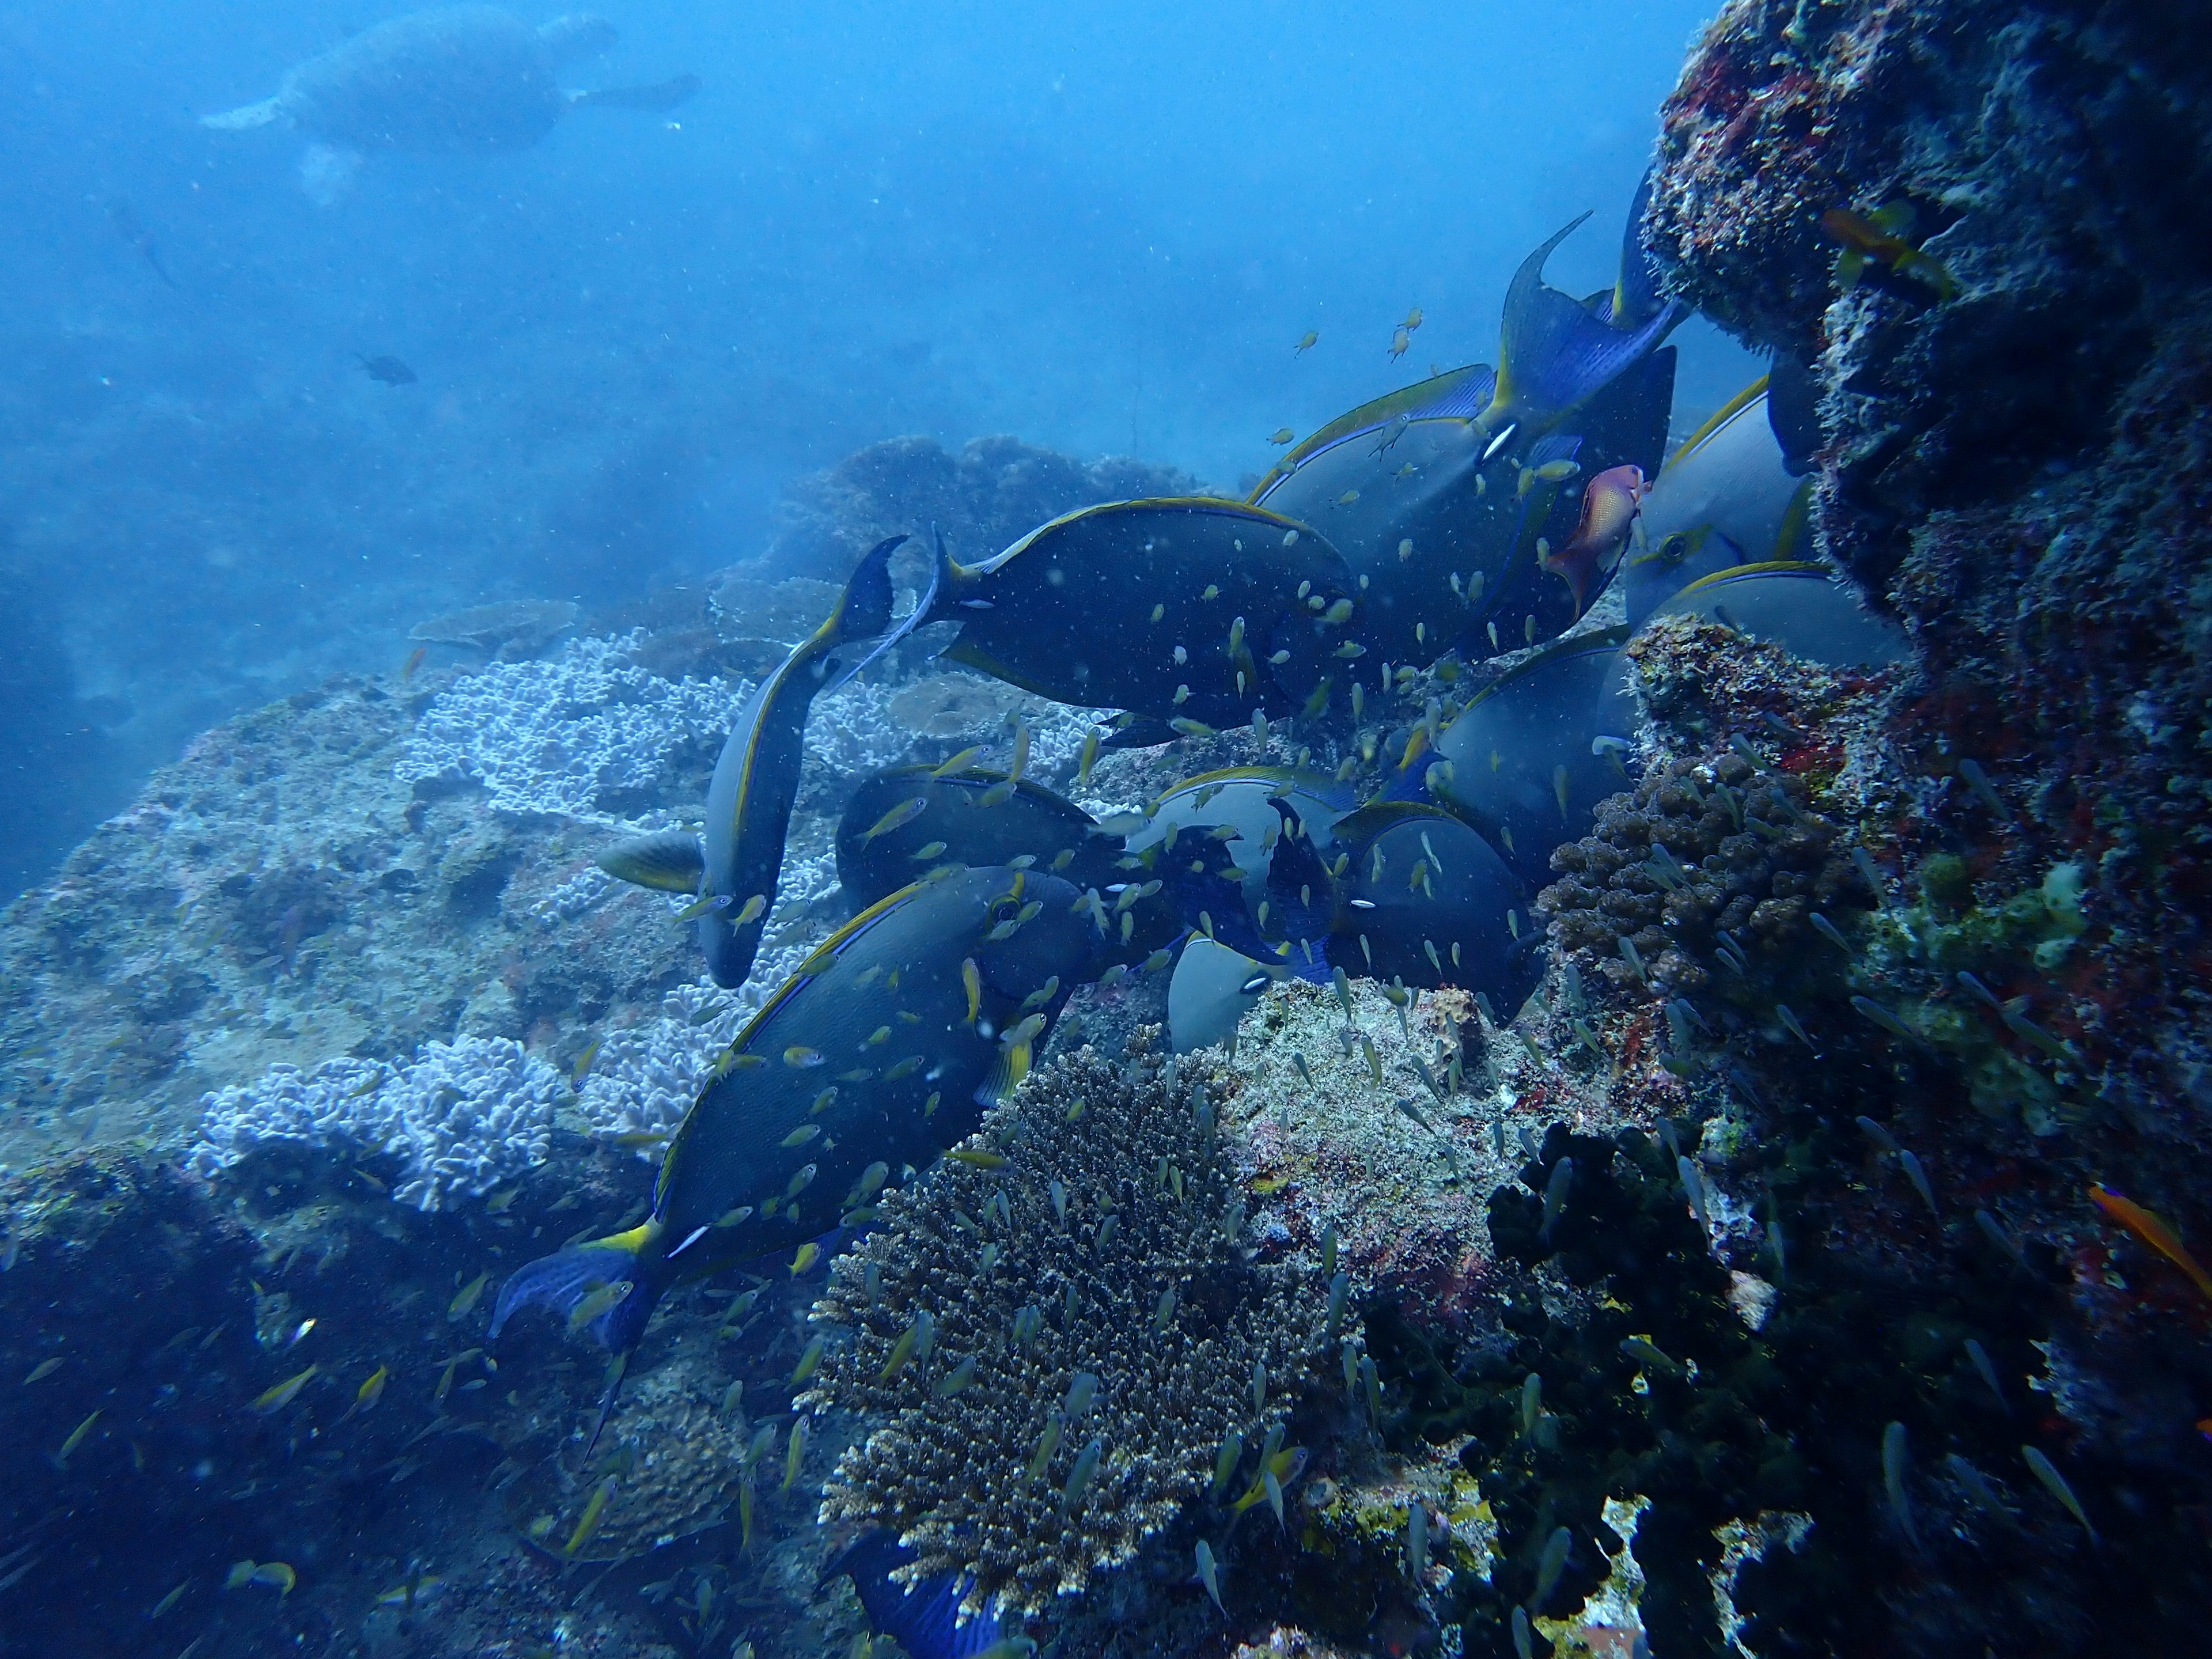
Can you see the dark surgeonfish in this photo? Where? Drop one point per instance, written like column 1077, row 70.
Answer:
column 882, row 1050
column 908, row 820
column 923, row 1618
column 388, row 369
column 133, row 230
column 1182, row 609
column 450, row 79
column 1556, row 352
column 1796, row 605
column 1728, row 496
column 1446, row 497
column 1412, row 895
column 734, row 867
column 904, row 820
column 1426, row 901
column 1526, row 760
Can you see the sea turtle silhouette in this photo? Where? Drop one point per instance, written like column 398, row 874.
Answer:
column 454, row 79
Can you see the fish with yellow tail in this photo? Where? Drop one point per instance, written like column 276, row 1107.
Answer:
column 1030, row 821
column 1555, row 353
column 733, row 866
column 738, row 1182
column 1883, row 241
column 1409, row 483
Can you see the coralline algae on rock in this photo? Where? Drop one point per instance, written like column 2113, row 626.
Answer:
column 462, row 1116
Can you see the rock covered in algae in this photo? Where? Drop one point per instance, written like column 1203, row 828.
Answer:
column 1078, row 1275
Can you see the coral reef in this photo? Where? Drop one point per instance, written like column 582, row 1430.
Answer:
column 560, row 735
column 1701, row 864
column 1096, row 1324
column 459, row 1118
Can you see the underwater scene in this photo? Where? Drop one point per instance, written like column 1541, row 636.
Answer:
column 1202, row 830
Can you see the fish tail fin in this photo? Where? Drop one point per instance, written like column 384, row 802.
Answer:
column 245, row 117
column 1576, row 563
column 668, row 861
column 1299, row 886
column 563, row 1280
column 1554, row 353
column 1850, row 268
column 864, row 610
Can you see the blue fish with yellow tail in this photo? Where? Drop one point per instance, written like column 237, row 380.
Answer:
column 1194, row 611
column 882, row 1050
column 735, row 866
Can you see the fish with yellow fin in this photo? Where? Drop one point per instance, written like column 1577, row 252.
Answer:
column 756, row 780
column 2153, row 1230
column 1883, row 239
column 731, row 1162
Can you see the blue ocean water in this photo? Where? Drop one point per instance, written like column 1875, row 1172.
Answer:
column 1101, row 230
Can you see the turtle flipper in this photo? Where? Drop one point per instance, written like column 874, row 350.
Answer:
column 245, row 116
column 660, row 95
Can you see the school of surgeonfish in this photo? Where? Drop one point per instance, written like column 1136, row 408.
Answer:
column 1478, row 513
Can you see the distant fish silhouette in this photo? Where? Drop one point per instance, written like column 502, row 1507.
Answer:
column 131, row 230
column 390, row 370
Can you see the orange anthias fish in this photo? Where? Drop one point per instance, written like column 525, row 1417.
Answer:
column 1884, row 237
column 2152, row 1230
column 1610, row 505
column 413, row 661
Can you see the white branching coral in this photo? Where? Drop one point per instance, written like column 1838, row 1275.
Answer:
column 554, row 734
column 461, row 1116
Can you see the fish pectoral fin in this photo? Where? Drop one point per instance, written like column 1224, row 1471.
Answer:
column 669, row 861
column 969, row 655
column 1143, row 732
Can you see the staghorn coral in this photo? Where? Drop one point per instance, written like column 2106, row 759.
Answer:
column 461, row 1116
column 1742, row 856
column 1144, row 1285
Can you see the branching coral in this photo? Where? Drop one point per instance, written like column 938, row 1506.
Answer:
column 555, row 734
column 461, row 1116
column 1091, row 1230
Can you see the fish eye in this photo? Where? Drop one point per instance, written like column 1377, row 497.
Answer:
column 1675, row 549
